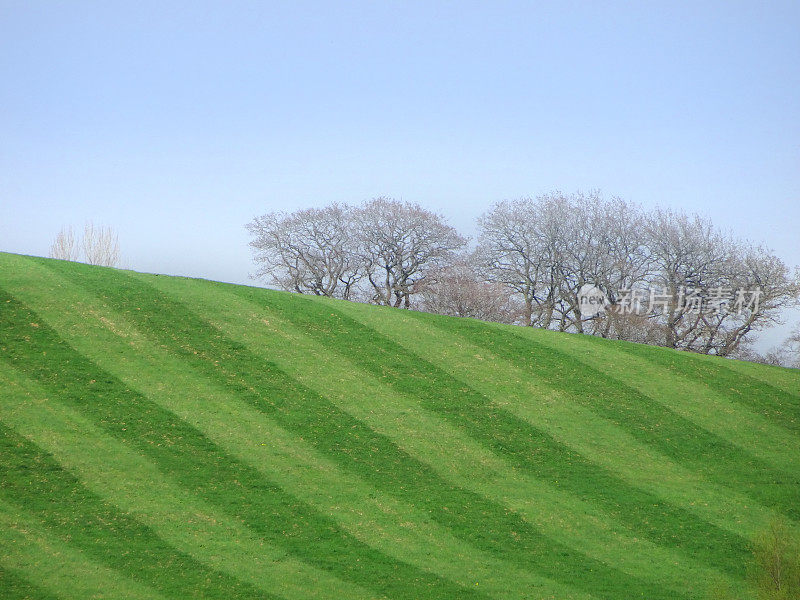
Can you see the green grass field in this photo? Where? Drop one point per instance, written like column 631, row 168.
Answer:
column 163, row 437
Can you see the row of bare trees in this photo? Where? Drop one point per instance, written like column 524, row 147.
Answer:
column 530, row 260
column 379, row 252
column 99, row 245
column 548, row 248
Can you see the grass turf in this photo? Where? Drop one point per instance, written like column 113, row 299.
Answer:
column 184, row 438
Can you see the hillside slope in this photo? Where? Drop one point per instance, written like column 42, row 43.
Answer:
column 163, row 437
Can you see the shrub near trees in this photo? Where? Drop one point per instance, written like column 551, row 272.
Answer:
column 530, row 261
column 773, row 571
column 457, row 291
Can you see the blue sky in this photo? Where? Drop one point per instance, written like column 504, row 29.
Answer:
column 176, row 123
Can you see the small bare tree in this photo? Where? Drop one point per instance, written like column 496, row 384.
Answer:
column 775, row 572
column 787, row 354
column 400, row 244
column 64, row 247
column 100, row 245
column 791, row 348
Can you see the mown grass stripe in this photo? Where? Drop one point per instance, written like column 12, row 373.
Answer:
column 37, row 486
column 717, row 413
column 120, row 476
column 58, row 568
column 528, row 445
column 15, row 586
column 774, row 403
column 426, row 437
column 515, row 390
column 381, row 521
column 643, row 418
column 784, row 379
column 199, row 465
column 465, row 513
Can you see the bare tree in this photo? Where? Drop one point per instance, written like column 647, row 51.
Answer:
column 590, row 240
column 310, row 251
column 688, row 255
column 609, row 253
column 757, row 270
column 100, row 245
column 787, row 354
column 791, row 348
column 546, row 249
column 400, row 243
column 513, row 252
column 775, row 571
column 64, row 247
column 695, row 265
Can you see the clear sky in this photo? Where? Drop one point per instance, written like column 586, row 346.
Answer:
column 176, row 123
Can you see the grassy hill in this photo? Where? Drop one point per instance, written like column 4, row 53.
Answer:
column 163, row 437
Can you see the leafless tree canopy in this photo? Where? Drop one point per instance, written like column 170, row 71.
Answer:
column 310, row 251
column 100, row 245
column 458, row 291
column 64, row 247
column 381, row 250
column 532, row 257
column 400, row 243
column 544, row 250
column 689, row 253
